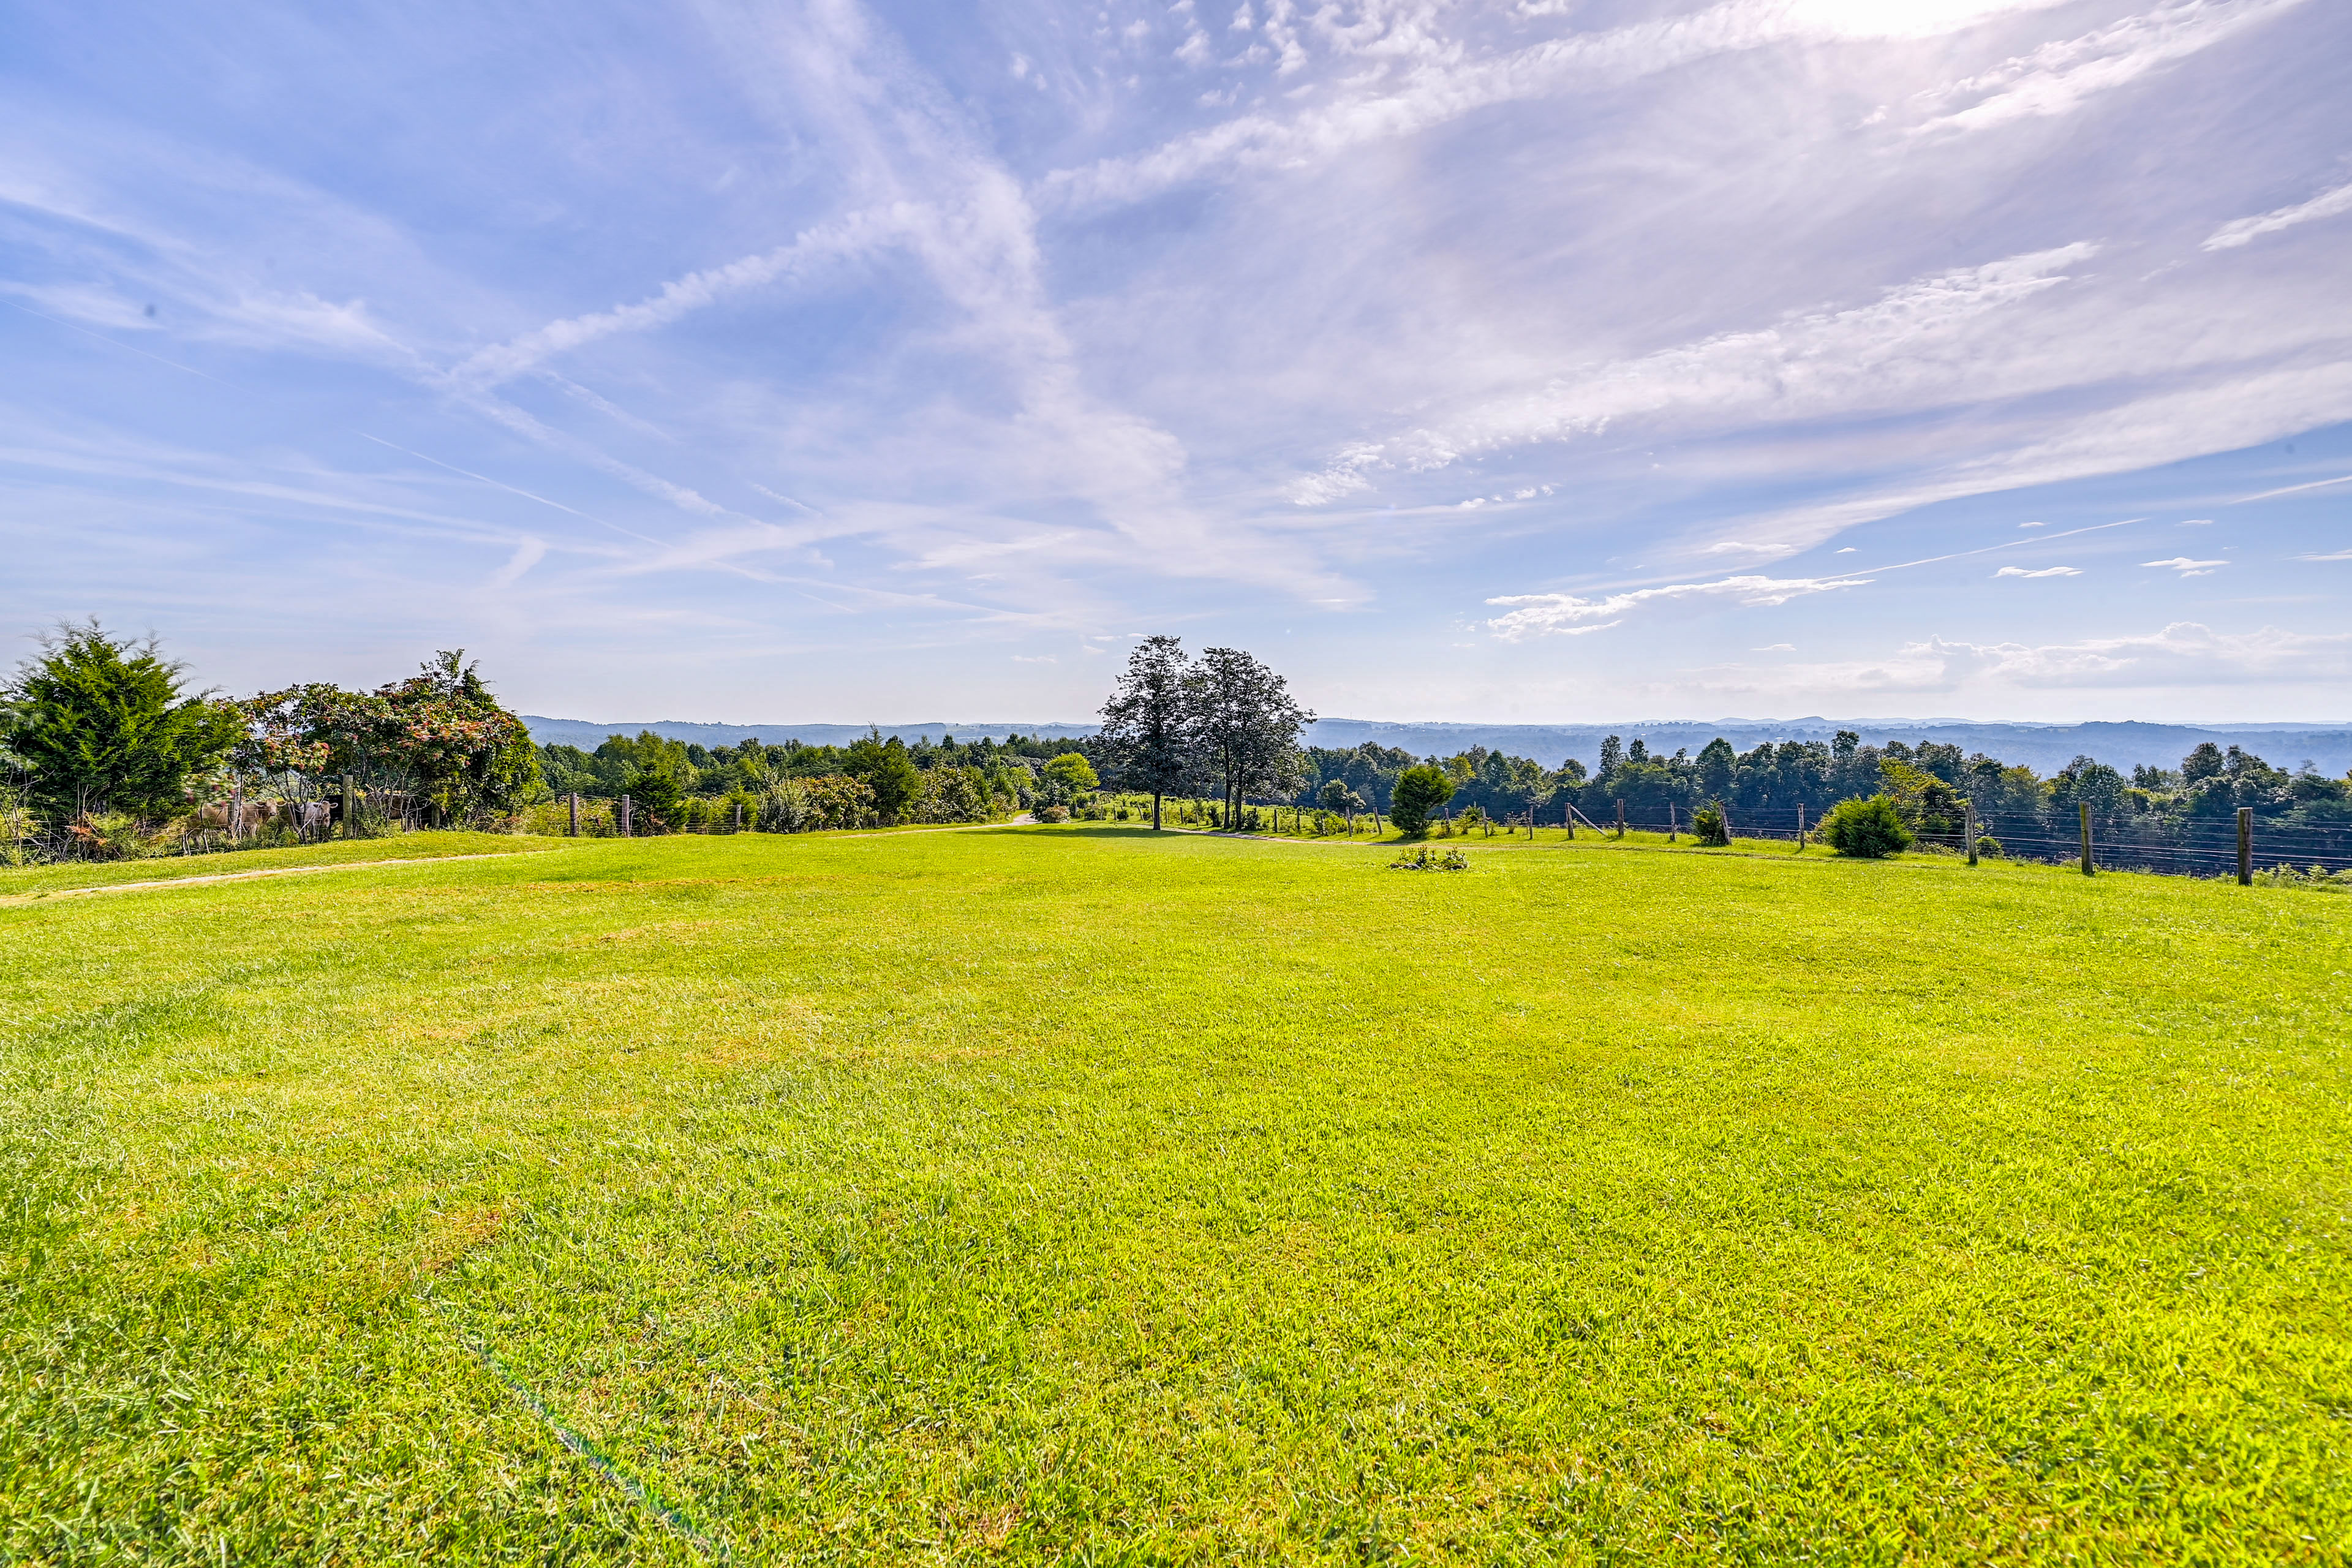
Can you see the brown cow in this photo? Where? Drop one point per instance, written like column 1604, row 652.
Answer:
column 258, row 813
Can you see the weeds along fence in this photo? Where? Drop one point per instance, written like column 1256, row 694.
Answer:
column 2191, row 847
column 2198, row 846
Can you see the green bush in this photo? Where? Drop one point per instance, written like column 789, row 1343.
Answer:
column 1867, row 828
column 116, row 835
column 658, row 802
column 1709, row 829
column 1418, row 792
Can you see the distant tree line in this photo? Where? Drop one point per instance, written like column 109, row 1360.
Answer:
column 791, row 787
column 2180, row 813
column 104, row 752
column 1225, row 724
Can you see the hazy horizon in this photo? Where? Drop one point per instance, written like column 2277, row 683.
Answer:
column 1538, row 723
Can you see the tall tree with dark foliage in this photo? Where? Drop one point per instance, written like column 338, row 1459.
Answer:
column 1247, row 724
column 104, row 726
column 1148, row 723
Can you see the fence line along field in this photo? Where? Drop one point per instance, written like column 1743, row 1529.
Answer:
column 1084, row 1195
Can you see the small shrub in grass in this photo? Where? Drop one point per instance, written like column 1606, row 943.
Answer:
column 1867, row 828
column 2317, row 876
column 1989, row 847
column 1452, row 860
column 1709, row 829
column 1053, row 813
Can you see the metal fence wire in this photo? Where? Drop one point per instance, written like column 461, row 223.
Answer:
column 2192, row 846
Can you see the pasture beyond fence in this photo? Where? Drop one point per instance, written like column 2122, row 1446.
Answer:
column 2240, row 844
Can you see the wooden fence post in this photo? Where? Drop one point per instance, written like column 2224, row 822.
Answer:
column 2086, row 807
column 1801, row 828
column 1567, row 820
column 624, row 819
column 2245, row 847
column 351, row 806
column 1673, row 822
column 575, row 813
column 1968, row 816
column 739, row 816
column 1620, row 819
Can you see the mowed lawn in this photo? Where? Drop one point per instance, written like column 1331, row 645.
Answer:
column 1075, row 1195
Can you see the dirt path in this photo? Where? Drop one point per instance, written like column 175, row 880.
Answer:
column 411, row 860
column 272, row 871
column 1024, row 820
column 1278, row 838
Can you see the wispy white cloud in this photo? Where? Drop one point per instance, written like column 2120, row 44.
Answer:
column 2296, row 489
column 797, row 340
column 96, row 304
column 2184, row 652
column 2187, row 567
column 2057, row 78
column 2246, row 230
column 528, row 553
column 1566, row 613
column 836, row 239
column 2045, row 572
column 1443, row 86
column 1884, row 353
column 2185, row 655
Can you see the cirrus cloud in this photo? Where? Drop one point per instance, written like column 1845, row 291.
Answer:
column 1536, row 614
column 2246, row 230
column 1891, row 353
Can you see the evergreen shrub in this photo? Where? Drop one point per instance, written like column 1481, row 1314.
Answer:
column 1869, row 828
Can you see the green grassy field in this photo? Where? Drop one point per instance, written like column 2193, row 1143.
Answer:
column 1073, row 1194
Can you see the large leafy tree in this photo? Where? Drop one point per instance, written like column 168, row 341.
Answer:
column 1247, row 726
column 1148, row 723
column 1064, row 780
column 101, row 723
column 468, row 753
column 885, row 769
column 440, row 735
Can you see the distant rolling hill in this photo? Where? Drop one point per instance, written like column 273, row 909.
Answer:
column 588, row 735
column 2043, row 747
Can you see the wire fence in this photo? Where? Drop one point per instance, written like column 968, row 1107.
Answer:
column 2192, row 846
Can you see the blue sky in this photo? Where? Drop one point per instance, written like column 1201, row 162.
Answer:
column 1564, row 360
